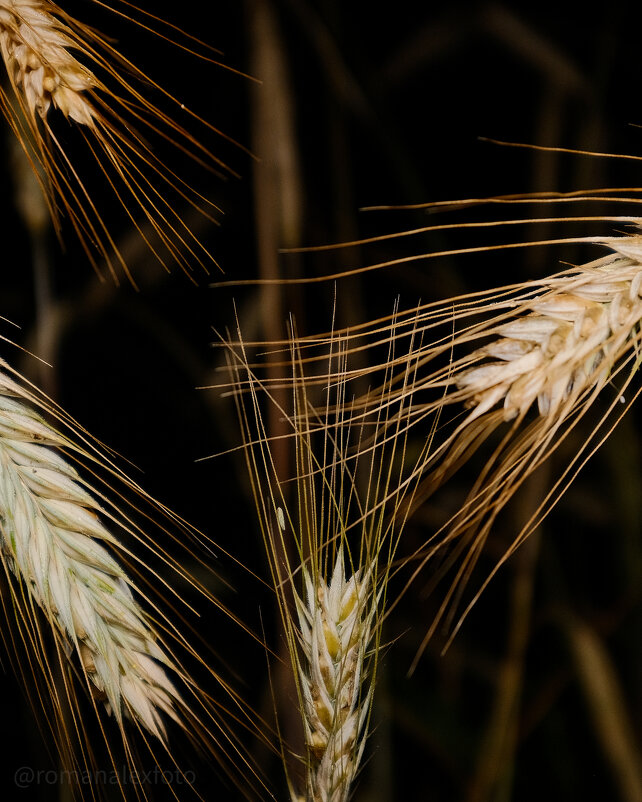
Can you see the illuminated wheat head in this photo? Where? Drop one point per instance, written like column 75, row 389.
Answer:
column 546, row 357
column 331, row 524
column 88, row 622
column 75, row 99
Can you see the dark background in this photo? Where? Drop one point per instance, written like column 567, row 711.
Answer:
column 370, row 107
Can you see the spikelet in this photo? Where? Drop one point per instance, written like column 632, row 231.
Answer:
column 52, row 541
column 60, row 68
column 335, row 623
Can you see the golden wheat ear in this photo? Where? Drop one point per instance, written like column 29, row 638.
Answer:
column 526, row 363
column 520, row 366
column 60, row 67
column 536, row 365
column 90, row 622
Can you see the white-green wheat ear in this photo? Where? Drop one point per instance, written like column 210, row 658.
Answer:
column 54, row 542
column 336, row 627
column 331, row 526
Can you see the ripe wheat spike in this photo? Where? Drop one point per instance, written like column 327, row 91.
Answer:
column 60, row 67
column 567, row 345
column 52, row 541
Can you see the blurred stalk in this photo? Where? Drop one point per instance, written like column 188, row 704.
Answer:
column 494, row 771
column 607, row 706
column 277, row 212
column 32, row 207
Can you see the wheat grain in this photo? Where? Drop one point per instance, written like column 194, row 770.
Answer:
column 52, row 540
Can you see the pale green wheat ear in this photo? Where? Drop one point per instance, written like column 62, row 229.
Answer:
column 331, row 524
column 60, row 67
column 52, row 542
column 80, row 627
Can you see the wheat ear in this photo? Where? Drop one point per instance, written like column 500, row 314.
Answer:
column 336, row 627
column 566, row 345
column 55, row 62
column 38, row 51
column 52, row 538
column 550, row 352
column 330, row 531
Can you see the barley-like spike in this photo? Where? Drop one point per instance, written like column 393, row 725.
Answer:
column 52, row 539
column 343, row 523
